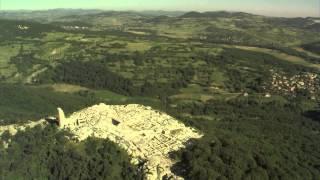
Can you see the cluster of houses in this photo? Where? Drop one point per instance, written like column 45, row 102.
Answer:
column 308, row 82
column 21, row 27
column 75, row 27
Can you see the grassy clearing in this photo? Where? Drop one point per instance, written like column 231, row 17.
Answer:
column 108, row 96
column 20, row 103
column 192, row 88
column 65, row 88
column 218, row 78
column 52, row 50
column 138, row 46
column 54, row 36
column 7, row 52
column 183, row 29
column 192, row 96
column 196, row 92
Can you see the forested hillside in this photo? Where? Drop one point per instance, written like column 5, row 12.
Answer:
column 47, row 153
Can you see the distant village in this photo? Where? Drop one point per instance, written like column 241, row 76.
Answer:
column 308, row 83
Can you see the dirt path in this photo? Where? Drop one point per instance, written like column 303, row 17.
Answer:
column 307, row 52
column 28, row 80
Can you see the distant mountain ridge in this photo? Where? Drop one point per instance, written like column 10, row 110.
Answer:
column 195, row 14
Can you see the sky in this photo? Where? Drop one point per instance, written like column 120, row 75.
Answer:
column 291, row 8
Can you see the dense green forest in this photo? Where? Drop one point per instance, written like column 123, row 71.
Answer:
column 96, row 75
column 88, row 74
column 48, row 153
column 313, row 47
column 247, row 141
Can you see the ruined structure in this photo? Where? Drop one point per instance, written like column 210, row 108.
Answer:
column 61, row 118
column 146, row 134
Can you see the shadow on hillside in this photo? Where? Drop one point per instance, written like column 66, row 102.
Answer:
column 314, row 115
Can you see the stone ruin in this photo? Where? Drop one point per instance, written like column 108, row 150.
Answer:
column 146, row 134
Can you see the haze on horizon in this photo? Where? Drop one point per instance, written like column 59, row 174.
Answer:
column 286, row 8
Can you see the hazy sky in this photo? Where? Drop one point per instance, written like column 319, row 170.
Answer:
column 266, row 7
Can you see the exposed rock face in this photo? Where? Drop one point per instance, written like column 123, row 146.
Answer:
column 146, row 134
column 14, row 129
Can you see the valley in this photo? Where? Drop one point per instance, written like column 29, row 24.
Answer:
column 249, row 83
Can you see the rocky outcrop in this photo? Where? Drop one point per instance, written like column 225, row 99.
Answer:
column 13, row 129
